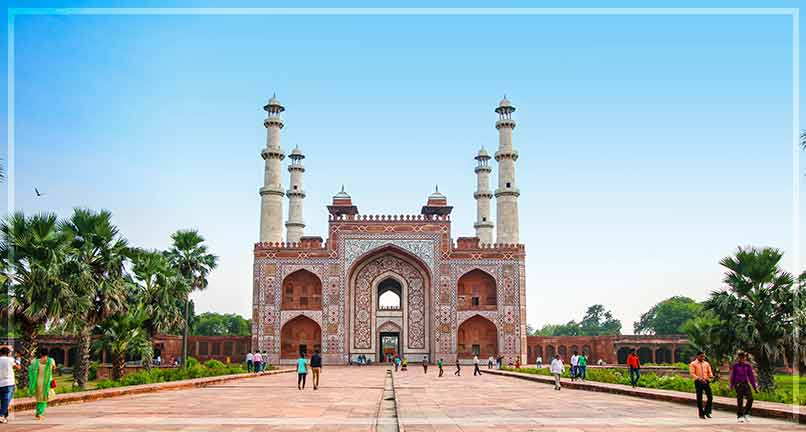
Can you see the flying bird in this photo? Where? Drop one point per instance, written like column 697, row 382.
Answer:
column 38, row 194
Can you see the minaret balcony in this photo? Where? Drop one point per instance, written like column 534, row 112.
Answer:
column 482, row 194
column 274, row 121
column 508, row 192
column 486, row 224
column 272, row 153
column 295, row 193
column 272, row 190
column 510, row 154
column 483, row 168
column 505, row 123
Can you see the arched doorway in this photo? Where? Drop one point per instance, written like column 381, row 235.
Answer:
column 644, row 355
column 300, row 335
column 390, row 294
column 563, row 352
column 622, row 354
column 389, row 283
column 476, row 291
column 477, row 336
column 302, row 290
column 550, row 352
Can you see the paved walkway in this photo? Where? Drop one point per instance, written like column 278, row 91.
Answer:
column 487, row 402
column 348, row 400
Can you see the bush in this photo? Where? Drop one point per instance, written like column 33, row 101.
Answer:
column 214, row 364
column 191, row 362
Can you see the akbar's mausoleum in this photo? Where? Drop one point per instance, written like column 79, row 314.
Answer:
column 389, row 284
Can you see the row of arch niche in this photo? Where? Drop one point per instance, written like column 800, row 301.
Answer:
column 302, row 290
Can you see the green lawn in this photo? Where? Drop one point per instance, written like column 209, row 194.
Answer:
column 783, row 391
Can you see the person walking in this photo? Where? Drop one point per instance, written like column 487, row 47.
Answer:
column 490, row 362
column 40, row 375
column 458, row 368
column 476, row 370
column 743, row 380
column 316, row 368
column 635, row 368
column 574, row 366
column 264, row 361
column 397, row 363
column 582, row 366
column 425, row 365
column 700, row 371
column 7, row 368
column 557, row 368
column 258, row 363
column 439, row 365
column 250, row 361
column 302, row 371
column 539, row 361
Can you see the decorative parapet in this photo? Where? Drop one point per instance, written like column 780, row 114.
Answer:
column 308, row 242
column 472, row 243
column 390, row 218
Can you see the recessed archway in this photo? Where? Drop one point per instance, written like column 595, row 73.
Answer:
column 476, row 291
column 390, row 294
column 302, row 290
column 477, row 336
column 300, row 335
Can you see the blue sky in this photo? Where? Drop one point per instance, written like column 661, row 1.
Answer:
column 651, row 146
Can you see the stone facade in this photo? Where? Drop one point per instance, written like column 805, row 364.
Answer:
column 311, row 294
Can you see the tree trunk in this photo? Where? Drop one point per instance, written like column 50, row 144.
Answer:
column 766, row 373
column 185, row 333
column 28, row 347
column 118, row 365
column 82, row 367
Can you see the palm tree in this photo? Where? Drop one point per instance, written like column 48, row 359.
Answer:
column 161, row 290
column 708, row 334
column 190, row 257
column 101, row 254
column 757, row 307
column 124, row 334
column 34, row 256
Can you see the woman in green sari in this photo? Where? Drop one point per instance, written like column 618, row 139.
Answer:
column 39, row 375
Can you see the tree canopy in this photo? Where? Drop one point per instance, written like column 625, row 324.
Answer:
column 597, row 322
column 216, row 324
column 668, row 316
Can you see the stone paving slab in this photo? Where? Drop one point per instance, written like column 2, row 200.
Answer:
column 487, row 402
column 347, row 400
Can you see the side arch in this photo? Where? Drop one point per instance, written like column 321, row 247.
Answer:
column 477, row 336
column 300, row 335
column 301, row 290
column 476, row 290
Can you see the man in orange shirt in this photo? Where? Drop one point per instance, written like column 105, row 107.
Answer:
column 635, row 367
column 701, row 373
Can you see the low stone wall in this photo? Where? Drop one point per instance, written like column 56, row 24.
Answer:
column 760, row 408
column 25, row 404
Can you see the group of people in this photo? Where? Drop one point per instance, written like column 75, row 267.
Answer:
column 742, row 379
column 256, row 361
column 315, row 366
column 40, row 381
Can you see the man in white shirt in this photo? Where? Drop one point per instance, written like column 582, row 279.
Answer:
column 574, row 366
column 490, row 362
column 557, row 368
column 539, row 361
column 250, row 359
column 7, row 367
column 476, row 370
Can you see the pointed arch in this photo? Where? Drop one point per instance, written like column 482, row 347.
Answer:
column 302, row 290
column 477, row 336
column 476, row 290
column 299, row 335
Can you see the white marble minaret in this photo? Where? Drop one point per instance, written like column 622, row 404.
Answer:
column 483, row 195
column 271, row 194
column 295, row 226
column 506, row 195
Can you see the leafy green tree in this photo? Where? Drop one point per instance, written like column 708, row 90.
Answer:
column 190, row 258
column 757, row 307
column 160, row 289
column 33, row 257
column 706, row 333
column 101, row 254
column 215, row 324
column 599, row 322
column 668, row 316
column 124, row 334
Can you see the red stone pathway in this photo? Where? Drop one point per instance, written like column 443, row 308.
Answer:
column 348, row 400
column 489, row 402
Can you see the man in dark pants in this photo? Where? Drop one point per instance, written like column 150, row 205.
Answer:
column 316, row 368
column 700, row 371
column 742, row 378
